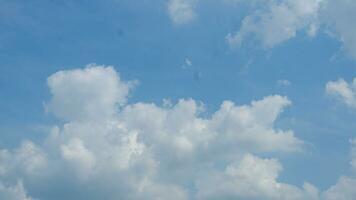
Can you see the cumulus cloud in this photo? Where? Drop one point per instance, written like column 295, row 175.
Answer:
column 343, row 91
column 252, row 178
column 255, row 178
column 149, row 151
column 92, row 93
column 181, row 11
column 135, row 151
column 344, row 189
column 277, row 22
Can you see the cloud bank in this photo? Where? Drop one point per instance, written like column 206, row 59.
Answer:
column 109, row 149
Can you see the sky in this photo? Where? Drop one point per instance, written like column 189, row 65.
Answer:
column 177, row 99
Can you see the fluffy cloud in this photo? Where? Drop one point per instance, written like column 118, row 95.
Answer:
column 92, row 93
column 136, row 151
column 343, row 190
column 343, row 91
column 108, row 149
column 252, row 178
column 181, row 11
column 255, row 178
column 277, row 22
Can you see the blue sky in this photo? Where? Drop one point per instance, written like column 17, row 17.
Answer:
column 178, row 49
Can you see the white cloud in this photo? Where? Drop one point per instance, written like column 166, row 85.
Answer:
column 147, row 151
column 283, row 83
column 343, row 91
column 273, row 22
column 92, row 93
column 181, row 11
column 344, row 189
column 28, row 159
column 255, row 178
column 277, row 22
column 137, row 151
column 239, row 128
column 16, row 192
column 79, row 157
column 252, row 178
column 339, row 16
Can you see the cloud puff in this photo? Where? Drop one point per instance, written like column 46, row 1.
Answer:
column 91, row 93
column 181, row 11
column 252, row 178
column 343, row 91
column 283, row 83
column 255, row 178
column 343, row 190
column 148, row 151
column 277, row 22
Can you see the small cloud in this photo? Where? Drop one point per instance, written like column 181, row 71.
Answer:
column 187, row 63
column 181, row 11
column 283, row 83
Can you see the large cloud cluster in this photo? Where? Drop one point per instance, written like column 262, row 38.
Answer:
column 108, row 149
